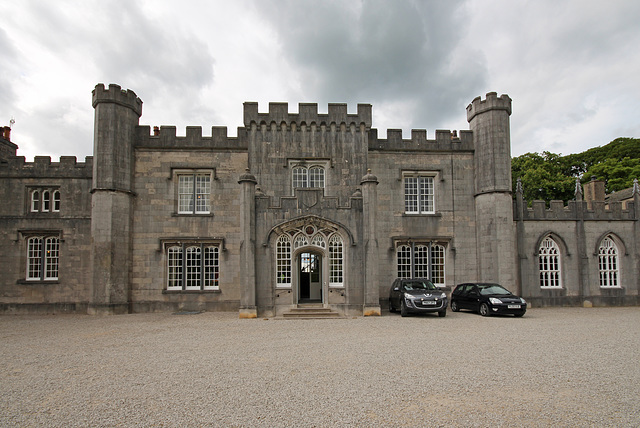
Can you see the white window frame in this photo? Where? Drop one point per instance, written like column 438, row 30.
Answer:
column 283, row 261
column 44, row 199
column 419, row 192
column 416, row 262
column 438, row 264
column 550, row 264
column 43, row 258
column 336, row 261
column 308, row 174
column 608, row 264
column 192, row 266
column 193, row 190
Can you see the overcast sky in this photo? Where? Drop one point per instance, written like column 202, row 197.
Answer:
column 572, row 67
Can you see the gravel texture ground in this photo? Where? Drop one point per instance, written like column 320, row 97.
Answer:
column 563, row 367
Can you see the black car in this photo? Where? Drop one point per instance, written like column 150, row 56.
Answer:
column 487, row 299
column 417, row 296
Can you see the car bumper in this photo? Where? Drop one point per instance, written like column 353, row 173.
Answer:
column 506, row 310
column 418, row 307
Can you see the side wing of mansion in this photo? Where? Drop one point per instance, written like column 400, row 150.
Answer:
column 299, row 208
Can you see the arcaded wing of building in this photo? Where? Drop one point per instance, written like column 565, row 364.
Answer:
column 300, row 209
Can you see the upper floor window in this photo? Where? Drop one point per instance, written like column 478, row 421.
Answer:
column 419, row 196
column 43, row 258
column 193, row 266
column 608, row 263
column 194, row 193
column 308, row 177
column 549, row 264
column 45, row 200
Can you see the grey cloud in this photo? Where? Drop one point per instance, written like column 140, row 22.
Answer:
column 8, row 59
column 381, row 52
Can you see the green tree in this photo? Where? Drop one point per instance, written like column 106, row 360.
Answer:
column 543, row 177
column 548, row 176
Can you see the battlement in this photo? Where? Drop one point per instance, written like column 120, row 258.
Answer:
column 575, row 210
column 445, row 141
column 165, row 138
column 115, row 94
column 492, row 102
column 42, row 167
column 307, row 113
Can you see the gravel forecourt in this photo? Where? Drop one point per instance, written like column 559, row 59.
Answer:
column 562, row 367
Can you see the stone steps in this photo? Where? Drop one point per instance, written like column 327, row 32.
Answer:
column 311, row 312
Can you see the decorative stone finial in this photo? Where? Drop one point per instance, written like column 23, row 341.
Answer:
column 636, row 188
column 578, row 189
column 369, row 178
column 519, row 185
column 247, row 176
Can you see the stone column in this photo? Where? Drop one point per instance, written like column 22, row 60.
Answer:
column 248, row 307
column 369, row 185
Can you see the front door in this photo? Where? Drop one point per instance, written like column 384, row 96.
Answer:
column 310, row 281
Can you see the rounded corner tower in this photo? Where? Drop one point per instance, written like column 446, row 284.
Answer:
column 489, row 121
column 117, row 114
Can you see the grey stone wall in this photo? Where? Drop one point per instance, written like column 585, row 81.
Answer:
column 70, row 292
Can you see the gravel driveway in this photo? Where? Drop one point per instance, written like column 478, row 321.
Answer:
column 557, row 366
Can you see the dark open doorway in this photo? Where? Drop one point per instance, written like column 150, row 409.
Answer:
column 310, row 278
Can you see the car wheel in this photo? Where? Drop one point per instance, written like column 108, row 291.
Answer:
column 484, row 309
column 403, row 308
column 518, row 315
column 391, row 308
column 454, row 306
column 442, row 314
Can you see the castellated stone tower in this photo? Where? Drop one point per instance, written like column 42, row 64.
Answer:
column 117, row 113
column 489, row 121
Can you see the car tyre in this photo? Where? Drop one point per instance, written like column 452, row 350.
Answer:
column 403, row 308
column 518, row 315
column 442, row 314
column 454, row 306
column 484, row 309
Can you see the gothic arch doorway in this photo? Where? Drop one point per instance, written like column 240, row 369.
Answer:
column 309, row 261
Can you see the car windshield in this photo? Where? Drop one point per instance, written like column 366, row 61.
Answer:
column 487, row 289
column 419, row 285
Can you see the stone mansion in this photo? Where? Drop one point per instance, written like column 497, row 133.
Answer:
column 297, row 209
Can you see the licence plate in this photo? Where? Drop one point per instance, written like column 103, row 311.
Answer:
column 429, row 302
column 513, row 306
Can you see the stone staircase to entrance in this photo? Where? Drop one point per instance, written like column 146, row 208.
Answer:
column 311, row 311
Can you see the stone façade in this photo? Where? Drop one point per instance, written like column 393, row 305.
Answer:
column 119, row 215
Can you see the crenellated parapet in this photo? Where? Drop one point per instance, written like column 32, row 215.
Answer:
column 307, row 114
column 165, row 138
column 445, row 140
column 42, row 167
column 492, row 102
column 115, row 94
column 574, row 211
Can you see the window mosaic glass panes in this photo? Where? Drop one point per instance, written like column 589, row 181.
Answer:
column 549, row 264
column 608, row 263
column 335, row 261
column 283, row 261
column 404, row 261
column 194, row 193
column 421, row 261
column 437, row 265
column 43, row 258
column 419, row 195
column 193, row 267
